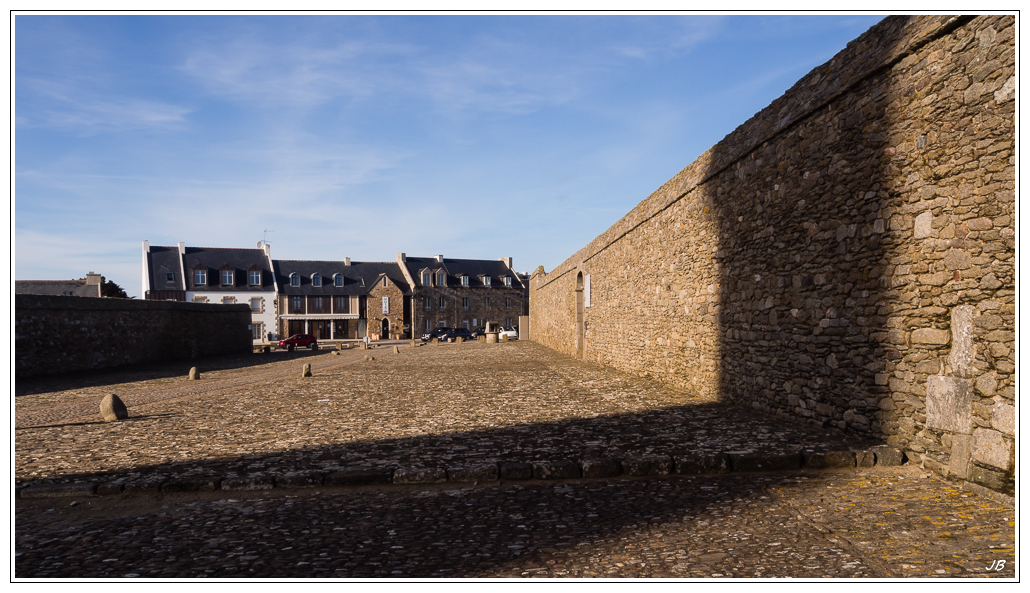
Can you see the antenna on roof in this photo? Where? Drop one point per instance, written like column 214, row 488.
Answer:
column 264, row 237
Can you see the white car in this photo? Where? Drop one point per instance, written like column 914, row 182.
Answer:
column 511, row 332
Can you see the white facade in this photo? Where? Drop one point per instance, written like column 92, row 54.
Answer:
column 264, row 315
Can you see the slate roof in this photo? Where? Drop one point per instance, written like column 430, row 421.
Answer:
column 162, row 261
column 56, row 288
column 240, row 260
column 455, row 268
column 359, row 277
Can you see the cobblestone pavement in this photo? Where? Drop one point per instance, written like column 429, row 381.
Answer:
column 439, row 407
column 876, row 522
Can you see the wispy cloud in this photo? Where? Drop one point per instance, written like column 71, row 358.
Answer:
column 49, row 104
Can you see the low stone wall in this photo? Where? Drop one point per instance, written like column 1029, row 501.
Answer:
column 845, row 257
column 59, row 334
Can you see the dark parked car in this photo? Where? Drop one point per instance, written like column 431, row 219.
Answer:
column 299, row 340
column 456, row 333
column 426, row 337
column 479, row 331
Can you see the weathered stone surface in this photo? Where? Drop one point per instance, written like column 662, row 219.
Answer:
column 651, row 465
column 702, row 463
column 516, row 471
column 962, row 350
column 248, row 483
column 991, row 448
column 961, row 453
column 819, row 460
column 865, row 458
column 556, row 470
column 1003, row 418
column 299, row 480
column 949, row 404
column 486, row 472
column 359, row 477
column 987, row 384
column 764, row 462
column 927, row 335
column 194, row 374
column 190, row 484
column 419, row 475
column 147, row 485
column 43, row 490
column 924, row 225
column 601, row 468
column 306, row 372
column 113, row 408
column 888, row 455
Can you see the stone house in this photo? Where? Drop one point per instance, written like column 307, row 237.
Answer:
column 87, row 287
column 462, row 293
column 214, row 275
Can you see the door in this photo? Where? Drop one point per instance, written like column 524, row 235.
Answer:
column 361, row 328
column 385, row 333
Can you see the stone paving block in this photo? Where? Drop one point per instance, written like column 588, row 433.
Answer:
column 298, row 480
column 473, row 473
column 359, row 477
column 190, row 484
column 764, row 462
column 419, row 475
column 650, row 465
column 58, row 490
column 516, row 471
column 816, row 460
column 110, row 488
column 248, row 483
column 702, row 463
column 556, row 470
column 865, row 458
column 601, row 468
column 888, row 455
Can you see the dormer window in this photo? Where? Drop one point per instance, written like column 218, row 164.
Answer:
column 425, row 278
column 170, row 277
column 507, row 281
column 316, row 280
column 227, row 278
column 254, row 277
column 338, row 280
column 486, row 281
column 464, row 280
column 294, row 279
column 441, row 279
column 200, row 276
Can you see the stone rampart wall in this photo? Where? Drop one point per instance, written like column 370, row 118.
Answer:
column 57, row 334
column 834, row 254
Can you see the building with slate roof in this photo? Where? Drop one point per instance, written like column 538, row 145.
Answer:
column 86, row 287
column 214, row 275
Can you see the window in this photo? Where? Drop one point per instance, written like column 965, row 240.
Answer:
column 228, row 300
column 342, row 304
column 441, row 280
column 425, row 279
column 426, row 303
column 297, row 304
column 427, row 325
column 441, row 323
column 338, row 280
column 384, row 281
column 386, row 304
column 200, row 276
column 507, row 322
column 486, row 301
column 464, row 280
column 441, row 303
column 486, row 281
column 318, row 303
column 255, row 277
column 294, row 279
column 257, row 331
column 200, row 299
column 465, row 324
column 475, row 322
column 316, row 280
column 465, row 303
column 507, row 303
column 256, row 304
column 227, row 279
column 170, row 277
column 507, row 281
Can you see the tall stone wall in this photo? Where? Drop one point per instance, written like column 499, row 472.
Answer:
column 846, row 257
column 57, row 334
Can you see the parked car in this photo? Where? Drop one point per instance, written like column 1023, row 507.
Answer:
column 511, row 332
column 479, row 331
column 428, row 336
column 299, row 340
column 456, row 333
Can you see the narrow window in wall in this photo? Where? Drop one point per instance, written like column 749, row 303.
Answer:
column 427, row 325
column 425, row 278
column 507, row 303
column 441, row 322
column 257, row 330
column 384, row 281
column 297, row 304
column 465, row 303
column 486, row 301
column 465, row 324
column 441, row 280
column 475, row 322
column 386, row 303
column 441, row 303
column 464, row 280
column 507, row 281
column 426, row 304
column 586, row 290
column 318, row 303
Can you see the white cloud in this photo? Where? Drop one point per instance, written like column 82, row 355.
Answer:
column 65, row 107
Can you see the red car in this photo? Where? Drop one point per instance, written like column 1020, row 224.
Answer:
column 301, row 340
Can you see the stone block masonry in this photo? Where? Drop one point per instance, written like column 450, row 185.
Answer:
column 826, row 259
column 60, row 334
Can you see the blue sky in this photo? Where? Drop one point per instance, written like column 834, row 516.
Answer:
column 364, row 136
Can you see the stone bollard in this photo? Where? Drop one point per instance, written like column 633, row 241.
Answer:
column 339, row 346
column 113, row 408
column 396, row 350
column 364, row 346
column 307, row 370
column 481, row 339
column 459, row 340
column 194, row 374
column 504, row 337
column 436, row 341
column 412, row 342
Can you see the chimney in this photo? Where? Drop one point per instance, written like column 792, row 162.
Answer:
column 508, row 262
column 346, row 261
column 182, row 248
column 94, row 279
column 401, row 258
column 146, row 247
column 439, row 258
column 267, row 249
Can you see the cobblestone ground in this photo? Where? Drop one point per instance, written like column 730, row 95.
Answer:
column 451, row 404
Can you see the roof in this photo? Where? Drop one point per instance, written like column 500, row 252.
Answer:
column 359, row 277
column 239, row 260
column 455, row 268
column 56, row 288
column 162, row 261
